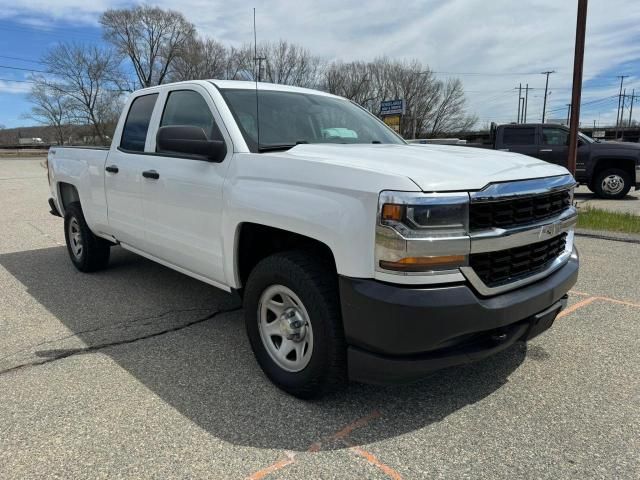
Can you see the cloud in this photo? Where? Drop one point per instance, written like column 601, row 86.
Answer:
column 14, row 87
column 512, row 40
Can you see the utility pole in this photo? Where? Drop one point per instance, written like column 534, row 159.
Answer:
column 526, row 102
column 546, row 89
column 519, row 102
column 633, row 95
column 260, row 60
column 624, row 97
column 576, row 93
column 621, row 77
column 568, row 113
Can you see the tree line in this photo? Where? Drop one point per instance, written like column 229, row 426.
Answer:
column 86, row 84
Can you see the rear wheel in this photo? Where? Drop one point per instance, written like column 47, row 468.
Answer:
column 292, row 315
column 612, row 183
column 87, row 252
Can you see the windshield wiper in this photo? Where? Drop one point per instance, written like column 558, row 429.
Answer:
column 279, row 146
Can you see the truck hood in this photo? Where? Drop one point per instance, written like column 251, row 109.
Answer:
column 431, row 167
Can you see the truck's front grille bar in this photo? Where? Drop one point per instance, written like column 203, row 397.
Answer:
column 505, row 266
column 516, row 212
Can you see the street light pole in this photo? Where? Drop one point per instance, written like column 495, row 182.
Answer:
column 576, row 94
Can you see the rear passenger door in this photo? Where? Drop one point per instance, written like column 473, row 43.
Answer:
column 520, row 139
column 122, row 176
column 183, row 204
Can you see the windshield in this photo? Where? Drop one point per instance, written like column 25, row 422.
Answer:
column 289, row 118
column 586, row 138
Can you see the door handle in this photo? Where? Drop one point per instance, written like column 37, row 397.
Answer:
column 151, row 174
column 546, row 149
column 112, row 169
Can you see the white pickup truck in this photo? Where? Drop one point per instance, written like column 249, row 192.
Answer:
column 357, row 255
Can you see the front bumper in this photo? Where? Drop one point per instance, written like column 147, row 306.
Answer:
column 398, row 334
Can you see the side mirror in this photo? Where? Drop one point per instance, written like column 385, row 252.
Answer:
column 189, row 140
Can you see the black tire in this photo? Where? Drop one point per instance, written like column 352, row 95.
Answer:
column 95, row 251
column 620, row 174
column 316, row 286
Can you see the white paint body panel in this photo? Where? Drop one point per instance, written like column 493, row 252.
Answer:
column 190, row 218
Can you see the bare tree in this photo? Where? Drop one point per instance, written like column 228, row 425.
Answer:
column 51, row 107
column 450, row 116
column 289, row 64
column 432, row 106
column 88, row 77
column 200, row 59
column 152, row 38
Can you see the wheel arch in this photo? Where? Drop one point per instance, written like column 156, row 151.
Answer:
column 67, row 193
column 255, row 241
column 603, row 163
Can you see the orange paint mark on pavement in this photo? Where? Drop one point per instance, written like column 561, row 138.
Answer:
column 576, row 306
column 315, row 447
column 274, row 467
column 619, row 302
column 373, row 460
column 361, row 422
column 580, row 294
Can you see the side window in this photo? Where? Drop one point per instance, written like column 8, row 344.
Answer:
column 555, row 136
column 187, row 107
column 134, row 133
column 519, row 136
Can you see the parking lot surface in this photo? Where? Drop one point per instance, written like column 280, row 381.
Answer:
column 141, row 372
column 628, row 204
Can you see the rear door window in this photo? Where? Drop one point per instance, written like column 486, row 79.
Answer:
column 519, row 136
column 134, row 133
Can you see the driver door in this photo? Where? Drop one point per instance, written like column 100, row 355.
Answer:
column 182, row 200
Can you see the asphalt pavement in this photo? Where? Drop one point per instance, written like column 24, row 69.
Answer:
column 141, row 372
column 629, row 204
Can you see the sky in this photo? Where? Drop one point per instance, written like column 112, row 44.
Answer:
column 491, row 45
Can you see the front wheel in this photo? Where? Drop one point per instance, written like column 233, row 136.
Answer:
column 612, row 183
column 292, row 315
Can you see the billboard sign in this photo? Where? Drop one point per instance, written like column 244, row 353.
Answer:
column 392, row 107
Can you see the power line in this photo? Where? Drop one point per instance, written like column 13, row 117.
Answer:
column 51, row 31
column 486, row 74
column 17, row 81
column 20, row 59
column 23, row 69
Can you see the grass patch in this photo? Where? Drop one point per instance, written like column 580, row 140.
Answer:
column 596, row 219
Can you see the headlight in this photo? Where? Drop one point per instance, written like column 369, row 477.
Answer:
column 422, row 232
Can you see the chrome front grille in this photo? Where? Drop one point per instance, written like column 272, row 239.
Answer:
column 505, row 266
column 517, row 212
column 519, row 232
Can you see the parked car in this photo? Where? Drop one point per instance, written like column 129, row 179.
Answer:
column 357, row 256
column 609, row 169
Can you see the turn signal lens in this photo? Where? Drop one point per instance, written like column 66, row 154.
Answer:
column 392, row 212
column 421, row 264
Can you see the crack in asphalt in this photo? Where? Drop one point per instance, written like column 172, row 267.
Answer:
column 124, row 324
column 62, row 354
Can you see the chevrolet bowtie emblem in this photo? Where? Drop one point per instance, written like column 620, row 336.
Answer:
column 547, row 231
